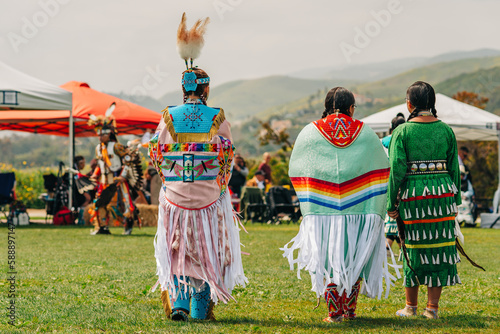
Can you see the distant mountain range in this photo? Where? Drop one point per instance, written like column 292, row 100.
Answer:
column 478, row 75
column 296, row 101
column 244, row 98
column 299, row 97
column 382, row 70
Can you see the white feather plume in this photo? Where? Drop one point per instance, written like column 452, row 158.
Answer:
column 190, row 42
column 110, row 109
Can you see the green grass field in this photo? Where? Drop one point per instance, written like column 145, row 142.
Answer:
column 71, row 282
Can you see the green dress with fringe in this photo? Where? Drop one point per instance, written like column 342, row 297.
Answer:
column 428, row 201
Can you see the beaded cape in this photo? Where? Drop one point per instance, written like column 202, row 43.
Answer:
column 341, row 175
column 339, row 129
column 193, row 122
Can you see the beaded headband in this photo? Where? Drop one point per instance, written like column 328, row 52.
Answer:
column 190, row 82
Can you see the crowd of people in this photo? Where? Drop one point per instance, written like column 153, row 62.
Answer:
column 261, row 179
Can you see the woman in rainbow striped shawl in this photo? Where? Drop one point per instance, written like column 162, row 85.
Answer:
column 340, row 172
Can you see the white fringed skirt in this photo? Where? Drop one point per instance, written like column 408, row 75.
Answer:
column 340, row 249
column 202, row 244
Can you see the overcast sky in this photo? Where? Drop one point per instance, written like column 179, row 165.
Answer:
column 129, row 46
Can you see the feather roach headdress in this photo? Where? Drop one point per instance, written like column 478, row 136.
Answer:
column 189, row 45
column 104, row 123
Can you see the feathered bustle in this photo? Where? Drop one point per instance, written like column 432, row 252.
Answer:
column 110, row 110
column 190, row 42
column 106, row 121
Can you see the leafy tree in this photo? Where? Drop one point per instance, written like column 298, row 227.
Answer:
column 471, row 98
column 281, row 159
column 270, row 136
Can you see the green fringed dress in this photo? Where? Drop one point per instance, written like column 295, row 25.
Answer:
column 428, row 200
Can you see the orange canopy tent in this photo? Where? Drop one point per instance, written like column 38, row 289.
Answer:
column 130, row 118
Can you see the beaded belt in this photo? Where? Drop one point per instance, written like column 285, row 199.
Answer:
column 426, row 167
column 190, row 167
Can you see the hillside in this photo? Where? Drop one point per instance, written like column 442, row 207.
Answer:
column 394, row 88
column 387, row 69
column 243, row 98
column 485, row 82
column 382, row 94
column 364, row 72
column 297, row 101
column 144, row 101
column 481, row 75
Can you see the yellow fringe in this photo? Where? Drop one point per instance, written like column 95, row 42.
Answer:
column 193, row 137
column 165, row 299
column 210, row 313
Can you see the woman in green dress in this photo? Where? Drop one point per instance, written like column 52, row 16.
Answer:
column 425, row 173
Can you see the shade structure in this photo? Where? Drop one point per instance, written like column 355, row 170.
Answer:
column 130, row 118
column 468, row 122
column 21, row 91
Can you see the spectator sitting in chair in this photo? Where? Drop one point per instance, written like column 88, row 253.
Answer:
column 258, row 180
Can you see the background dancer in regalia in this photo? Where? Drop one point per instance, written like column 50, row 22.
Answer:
column 118, row 175
column 424, row 169
column 197, row 246
column 340, row 172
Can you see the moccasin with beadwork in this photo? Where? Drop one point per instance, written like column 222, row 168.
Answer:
column 408, row 311
column 430, row 313
column 334, row 319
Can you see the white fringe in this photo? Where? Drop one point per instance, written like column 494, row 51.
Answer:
column 323, row 240
column 221, row 278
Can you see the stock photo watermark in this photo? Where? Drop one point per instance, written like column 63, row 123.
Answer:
column 224, row 6
column 31, row 25
column 364, row 35
column 150, row 82
column 11, row 272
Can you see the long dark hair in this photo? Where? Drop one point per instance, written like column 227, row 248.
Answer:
column 338, row 99
column 200, row 88
column 422, row 96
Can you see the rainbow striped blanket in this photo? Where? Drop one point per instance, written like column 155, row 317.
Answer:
column 339, row 180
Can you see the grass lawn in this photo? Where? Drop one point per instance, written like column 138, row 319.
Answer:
column 71, row 282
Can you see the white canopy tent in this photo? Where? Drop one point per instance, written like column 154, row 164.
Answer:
column 21, row 91
column 24, row 92
column 468, row 122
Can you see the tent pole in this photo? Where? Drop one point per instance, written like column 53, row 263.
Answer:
column 71, row 154
column 498, row 135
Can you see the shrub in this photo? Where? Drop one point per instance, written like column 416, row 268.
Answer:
column 29, row 184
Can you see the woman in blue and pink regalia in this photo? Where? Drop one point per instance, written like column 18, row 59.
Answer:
column 340, row 172
column 197, row 245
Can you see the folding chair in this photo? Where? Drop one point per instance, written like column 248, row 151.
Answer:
column 50, row 184
column 7, row 183
column 281, row 205
column 253, row 204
